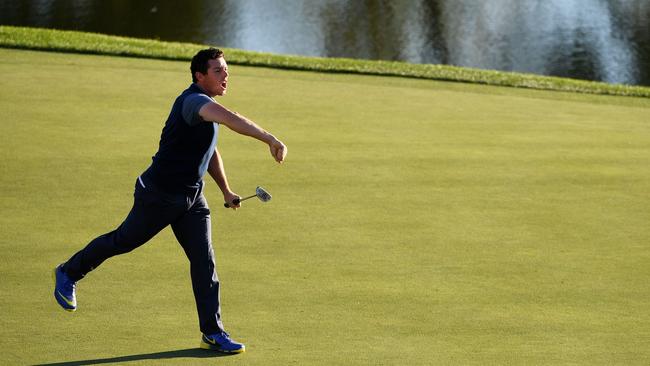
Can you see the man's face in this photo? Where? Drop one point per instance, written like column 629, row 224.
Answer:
column 215, row 81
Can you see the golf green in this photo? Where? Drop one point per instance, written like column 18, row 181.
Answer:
column 414, row 222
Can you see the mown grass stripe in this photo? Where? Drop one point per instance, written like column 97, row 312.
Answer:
column 93, row 43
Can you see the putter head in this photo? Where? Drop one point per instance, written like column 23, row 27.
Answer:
column 263, row 195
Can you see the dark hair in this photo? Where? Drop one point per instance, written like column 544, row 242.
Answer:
column 200, row 60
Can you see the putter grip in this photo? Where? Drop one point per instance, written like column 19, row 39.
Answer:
column 235, row 201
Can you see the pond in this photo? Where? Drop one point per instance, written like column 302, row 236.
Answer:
column 587, row 39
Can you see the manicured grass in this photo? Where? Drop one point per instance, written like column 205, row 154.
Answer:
column 81, row 42
column 415, row 222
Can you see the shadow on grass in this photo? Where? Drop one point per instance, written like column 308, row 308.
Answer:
column 181, row 353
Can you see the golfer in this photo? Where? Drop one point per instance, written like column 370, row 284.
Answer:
column 170, row 192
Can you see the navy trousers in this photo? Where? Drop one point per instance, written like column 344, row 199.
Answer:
column 153, row 210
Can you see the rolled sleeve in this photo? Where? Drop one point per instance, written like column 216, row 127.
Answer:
column 191, row 106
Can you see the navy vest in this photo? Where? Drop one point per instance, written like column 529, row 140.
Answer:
column 184, row 151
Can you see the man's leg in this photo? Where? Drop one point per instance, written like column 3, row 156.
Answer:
column 150, row 214
column 194, row 234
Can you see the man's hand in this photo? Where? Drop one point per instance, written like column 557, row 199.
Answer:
column 278, row 150
column 230, row 197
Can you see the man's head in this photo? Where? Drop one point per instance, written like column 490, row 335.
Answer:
column 210, row 71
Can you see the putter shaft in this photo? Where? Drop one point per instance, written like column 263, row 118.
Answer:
column 245, row 198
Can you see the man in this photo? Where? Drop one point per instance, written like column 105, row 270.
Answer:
column 169, row 192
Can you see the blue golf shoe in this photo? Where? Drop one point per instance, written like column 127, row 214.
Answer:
column 64, row 290
column 221, row 342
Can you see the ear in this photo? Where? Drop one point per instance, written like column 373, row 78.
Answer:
column 198, row 75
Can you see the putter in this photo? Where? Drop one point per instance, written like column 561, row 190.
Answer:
column 260, row 193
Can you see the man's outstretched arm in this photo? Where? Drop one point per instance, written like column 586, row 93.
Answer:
column 215, row 112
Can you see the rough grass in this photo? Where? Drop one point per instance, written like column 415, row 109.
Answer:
column 72, row 41
column 414, row 223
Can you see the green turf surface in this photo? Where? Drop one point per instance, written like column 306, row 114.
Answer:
column 102, row 44
column 414, row 223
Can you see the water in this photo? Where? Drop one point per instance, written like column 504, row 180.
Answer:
column 587, row 39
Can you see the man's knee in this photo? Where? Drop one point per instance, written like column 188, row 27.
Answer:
column 124, row 243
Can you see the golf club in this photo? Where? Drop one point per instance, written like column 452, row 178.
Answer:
column 260, row 193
